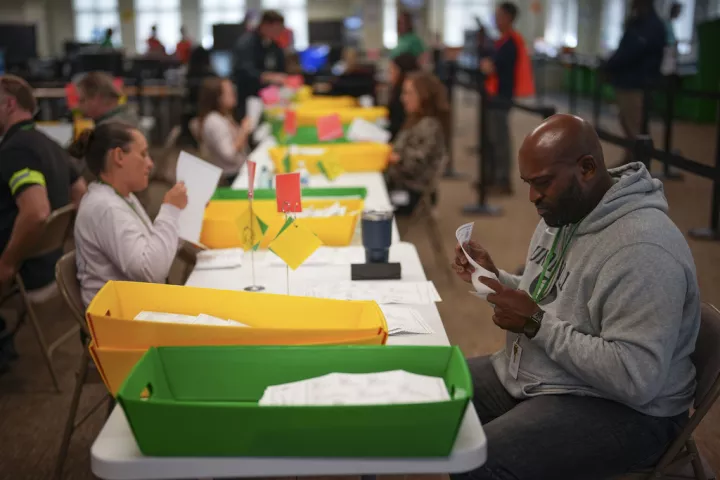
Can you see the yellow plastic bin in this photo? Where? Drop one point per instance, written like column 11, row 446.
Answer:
column 308, row 115
column 325, row 103
column 272, row 319
column 353, row 157
column 220, row 227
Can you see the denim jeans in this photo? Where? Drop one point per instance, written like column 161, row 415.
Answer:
column 562, row 437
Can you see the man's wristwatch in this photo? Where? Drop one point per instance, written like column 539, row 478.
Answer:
column 532, row 324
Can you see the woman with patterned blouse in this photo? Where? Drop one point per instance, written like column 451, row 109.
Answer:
column 420, row 149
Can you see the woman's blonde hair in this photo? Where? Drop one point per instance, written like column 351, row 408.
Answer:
column 432, row 96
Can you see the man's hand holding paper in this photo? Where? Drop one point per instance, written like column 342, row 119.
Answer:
column 472, row 261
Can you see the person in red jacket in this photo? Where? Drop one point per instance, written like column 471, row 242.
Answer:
column 183, row 47
column 509, row 74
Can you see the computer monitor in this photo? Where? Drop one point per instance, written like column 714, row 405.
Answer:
column 226, row 35
column 19, row 44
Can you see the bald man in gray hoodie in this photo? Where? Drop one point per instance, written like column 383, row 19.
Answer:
column 596, row 377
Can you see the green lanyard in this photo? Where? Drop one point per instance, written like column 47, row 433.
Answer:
column 542, row 287
column 128, row 202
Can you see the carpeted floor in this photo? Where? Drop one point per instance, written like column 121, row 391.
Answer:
column 32, row 416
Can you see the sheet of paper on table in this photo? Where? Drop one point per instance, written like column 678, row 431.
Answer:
column 463, row 235
column 402, row 319
column 219, row 258
column 201, row 179
column 381, row 388
column 383, row 292
column 261, row 155
column 262, row 132
column 202, row 319
column 334, row 210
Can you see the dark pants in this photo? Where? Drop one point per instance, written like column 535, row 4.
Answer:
column 562, row 436
column 498, row 130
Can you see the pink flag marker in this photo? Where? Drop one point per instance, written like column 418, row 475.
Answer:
column 329, row 127
column 270, row 95
column 251, row 178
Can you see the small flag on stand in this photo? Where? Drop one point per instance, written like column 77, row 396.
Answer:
column 329, row 127
column 251, row 230
column 330, row 167
column 287, row 192
column 295, row 243
column 252, row 166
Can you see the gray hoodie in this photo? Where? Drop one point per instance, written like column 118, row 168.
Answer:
column 622, row 318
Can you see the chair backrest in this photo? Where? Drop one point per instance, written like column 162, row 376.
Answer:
column 69, row 286
column 184, row 262
column 707, row 354
column 57, row 229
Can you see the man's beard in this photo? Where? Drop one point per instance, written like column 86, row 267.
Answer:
column 570, row 207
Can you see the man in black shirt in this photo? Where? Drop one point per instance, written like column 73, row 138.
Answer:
column 36, row 177
column 500, row 69
column 258, row 60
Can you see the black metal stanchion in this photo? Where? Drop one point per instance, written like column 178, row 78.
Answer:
column 481, row 207
column 713, row 232
column 450, row 172
column 668, row 172
column 642, row 150
column 597, row 99
column 540, row 79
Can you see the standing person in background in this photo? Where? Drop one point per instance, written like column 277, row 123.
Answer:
column 154, row 45
column 107, row 39
column 408, row 40
column 183, row 47
column 420, row 151
column 508, row 74
column 400, row 67
column 257, row 60
column 635, row 65
column 114, row 236
column 222, row 141
column 100, row 100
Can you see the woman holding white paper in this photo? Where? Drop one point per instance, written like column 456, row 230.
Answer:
column 114, row 237
column 222, row 141
column 419, row 151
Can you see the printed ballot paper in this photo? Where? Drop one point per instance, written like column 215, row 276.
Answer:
column 383, row 292
column 402, row 320
column 363, row 131
column 201, row 179
column 463, row 235
column 381, row 388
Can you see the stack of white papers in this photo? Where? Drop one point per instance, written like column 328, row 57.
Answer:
column 383, row 292
column 404, row 320
column 219, row 258
column 363, row 131
column 334, row 210
column 309, row 151
column 382, row 388
column 201, row 319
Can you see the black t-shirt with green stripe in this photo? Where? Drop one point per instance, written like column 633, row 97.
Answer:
column 28, row 157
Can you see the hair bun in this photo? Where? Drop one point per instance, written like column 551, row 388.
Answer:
column 79, row 148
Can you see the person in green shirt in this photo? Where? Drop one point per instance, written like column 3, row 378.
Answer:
column 408, row 40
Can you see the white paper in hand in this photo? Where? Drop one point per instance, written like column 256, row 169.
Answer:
column 363, row 131
column 254, row 110
column 463, row 235
column 201, row 179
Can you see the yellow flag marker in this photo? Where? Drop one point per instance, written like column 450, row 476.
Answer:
column 330, row 167
column 250, row 229
column 294, row 244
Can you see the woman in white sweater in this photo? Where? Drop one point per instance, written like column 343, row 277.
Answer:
column 223, row 142
column 114, row 237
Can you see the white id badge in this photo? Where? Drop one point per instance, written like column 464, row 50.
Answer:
column 515, row 355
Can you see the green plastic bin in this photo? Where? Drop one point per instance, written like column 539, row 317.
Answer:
column 202, row 401
column 226, row 193
column 305, row 135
